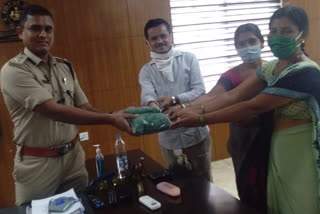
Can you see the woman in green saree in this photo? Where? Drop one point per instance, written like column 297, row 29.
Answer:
column 290, row 86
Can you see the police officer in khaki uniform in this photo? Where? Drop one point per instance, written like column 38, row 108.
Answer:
column 44, row 99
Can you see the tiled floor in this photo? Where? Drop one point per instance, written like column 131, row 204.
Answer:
column 223, row 176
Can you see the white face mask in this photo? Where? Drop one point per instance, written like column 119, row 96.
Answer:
column 250, row 54
column 164, row 63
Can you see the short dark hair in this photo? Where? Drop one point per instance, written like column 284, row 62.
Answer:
column 154, row 23
column 248, row 28
column 32, row 10
column 296, row 14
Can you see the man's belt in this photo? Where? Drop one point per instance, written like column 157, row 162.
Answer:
column 52, row 152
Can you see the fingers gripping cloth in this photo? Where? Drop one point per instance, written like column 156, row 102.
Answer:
column 150, row 120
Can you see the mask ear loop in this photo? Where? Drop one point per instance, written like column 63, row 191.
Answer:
column 298, row 37
column 148, row 43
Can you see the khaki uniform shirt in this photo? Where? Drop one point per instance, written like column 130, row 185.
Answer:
column 27, row 81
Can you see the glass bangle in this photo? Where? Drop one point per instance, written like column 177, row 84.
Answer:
column 202, row 120
column 203, row 109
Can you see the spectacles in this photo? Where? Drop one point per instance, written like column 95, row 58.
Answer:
column 38, row 29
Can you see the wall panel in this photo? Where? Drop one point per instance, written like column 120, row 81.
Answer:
column 111, row 65
column 312, row 41
column 142, row 10
column 140, row 53
column 312, row 7
column 7, row 148
column 95, row 20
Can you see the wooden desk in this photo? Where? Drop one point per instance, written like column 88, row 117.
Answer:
column 197, row 194
column 13, row 210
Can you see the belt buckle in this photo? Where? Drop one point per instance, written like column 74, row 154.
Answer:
column 64, row 149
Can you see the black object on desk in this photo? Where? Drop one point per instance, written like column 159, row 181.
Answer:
column 197, row 194
column 14, row 210
column 159, row 176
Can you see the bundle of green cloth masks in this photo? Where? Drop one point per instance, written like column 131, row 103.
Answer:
column 150, row 120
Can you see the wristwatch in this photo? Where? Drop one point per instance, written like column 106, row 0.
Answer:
column 173, row 100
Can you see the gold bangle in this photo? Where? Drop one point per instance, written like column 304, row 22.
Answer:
column 182, row 105
column 203, row 109
column 155, row 102
column 202, row 120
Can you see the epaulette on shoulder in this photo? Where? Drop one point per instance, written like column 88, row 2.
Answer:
column 61, row 60
column 68, row 63
column 18, row 60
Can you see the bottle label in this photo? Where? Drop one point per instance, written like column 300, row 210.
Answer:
column 99, row 166
column 122, row 165
column 177, row 152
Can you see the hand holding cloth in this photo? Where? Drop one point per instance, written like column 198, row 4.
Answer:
column 150, row 120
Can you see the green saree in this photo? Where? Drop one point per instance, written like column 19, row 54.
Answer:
column 294, row 161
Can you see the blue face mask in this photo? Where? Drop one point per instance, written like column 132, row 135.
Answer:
column 250, row 54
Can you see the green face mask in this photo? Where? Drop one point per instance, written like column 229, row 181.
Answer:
column 283, row 47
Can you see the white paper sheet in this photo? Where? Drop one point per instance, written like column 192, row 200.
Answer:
column 42, row 206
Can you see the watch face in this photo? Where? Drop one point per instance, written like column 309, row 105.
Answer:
column 173, row 100
column 10, row 12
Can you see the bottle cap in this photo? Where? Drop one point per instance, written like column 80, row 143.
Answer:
column 98, row 150
column 118, row 135
column 180, row 160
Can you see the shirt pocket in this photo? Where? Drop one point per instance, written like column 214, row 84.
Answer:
column 69, row 95
column 45, row 82
column 66, row 86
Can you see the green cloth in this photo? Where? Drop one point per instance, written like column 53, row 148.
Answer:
column 292, row 174
column 150, row 120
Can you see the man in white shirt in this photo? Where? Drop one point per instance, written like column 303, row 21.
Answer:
column 173, row 77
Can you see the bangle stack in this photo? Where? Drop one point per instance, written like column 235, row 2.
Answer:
column 203, row 108
column 202, row 120
column 155, row 102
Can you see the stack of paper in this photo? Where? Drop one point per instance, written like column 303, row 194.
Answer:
column 42, row 206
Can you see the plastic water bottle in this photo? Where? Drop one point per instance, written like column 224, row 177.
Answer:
column 121, row 157
column 99, row 161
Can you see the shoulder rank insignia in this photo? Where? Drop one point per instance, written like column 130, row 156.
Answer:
column 20, row 59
